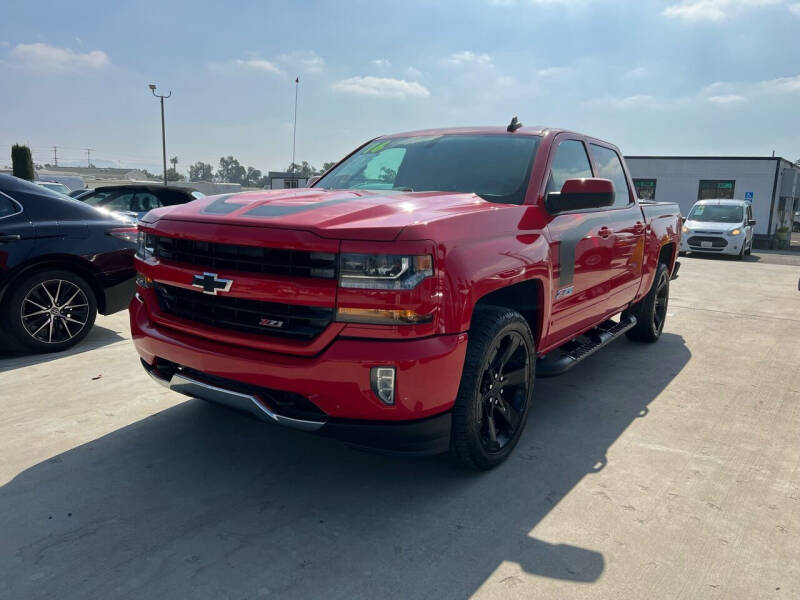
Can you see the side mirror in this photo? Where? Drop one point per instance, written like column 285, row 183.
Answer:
column 312, row 180
column 581, row 194
column 751, row 222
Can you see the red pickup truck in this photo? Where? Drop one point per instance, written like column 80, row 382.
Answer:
column 405, row 301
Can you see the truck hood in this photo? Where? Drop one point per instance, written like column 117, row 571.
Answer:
column 711, row 226
column 340, row 214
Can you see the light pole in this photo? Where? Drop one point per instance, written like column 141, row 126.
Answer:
column 152, row 87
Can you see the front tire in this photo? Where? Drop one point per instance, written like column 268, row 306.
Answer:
column 496, row 388
column 51, row 310
column 651, row 311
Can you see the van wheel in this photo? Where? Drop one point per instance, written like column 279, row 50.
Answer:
column 51, row 310
column 651, row 311
column 496, row 388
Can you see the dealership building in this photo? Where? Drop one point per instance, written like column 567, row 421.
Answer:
column 772, row 184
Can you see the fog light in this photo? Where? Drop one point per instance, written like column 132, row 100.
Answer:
column 382, row 380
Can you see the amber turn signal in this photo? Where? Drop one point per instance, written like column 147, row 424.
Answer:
column 380, row 317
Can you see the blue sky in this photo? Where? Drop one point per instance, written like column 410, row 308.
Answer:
column 653, row 76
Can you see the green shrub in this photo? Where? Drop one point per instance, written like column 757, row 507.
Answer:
column 22, row 162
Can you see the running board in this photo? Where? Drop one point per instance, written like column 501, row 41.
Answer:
column 570, row 354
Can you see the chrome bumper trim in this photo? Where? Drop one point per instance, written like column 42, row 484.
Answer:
column 244, row 402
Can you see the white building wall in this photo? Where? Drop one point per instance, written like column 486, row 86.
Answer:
column 678, row 180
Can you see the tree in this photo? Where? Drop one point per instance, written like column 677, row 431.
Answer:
column 174, row 161
column 252, row 177
column 22, row 162
column 327, row 165
column 173, row 175
column 230, row 171
column 201, row 171
column 303, row 170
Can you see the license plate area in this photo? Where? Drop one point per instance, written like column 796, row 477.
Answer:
column 706, row 244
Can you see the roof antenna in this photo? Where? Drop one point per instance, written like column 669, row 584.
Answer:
column 514, row 125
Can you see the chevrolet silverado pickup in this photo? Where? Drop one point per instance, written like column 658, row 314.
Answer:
column 406, row 301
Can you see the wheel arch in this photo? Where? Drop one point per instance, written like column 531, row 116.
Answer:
column 525, row 297
column 75, row 264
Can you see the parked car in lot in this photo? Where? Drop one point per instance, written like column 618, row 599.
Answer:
column 79, row 193
column 131, row 202
column 407, row 300
column 55, row 186
column 719, row 227
column 796, row 222
column 61, row 262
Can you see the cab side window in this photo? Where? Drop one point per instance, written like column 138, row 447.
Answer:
column 570, row 162
column 609, row 166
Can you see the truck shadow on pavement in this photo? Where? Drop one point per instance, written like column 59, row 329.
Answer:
column 200, row 502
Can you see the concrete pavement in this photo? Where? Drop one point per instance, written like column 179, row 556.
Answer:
column 650, row 471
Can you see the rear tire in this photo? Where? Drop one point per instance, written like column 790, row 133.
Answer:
column 50, row 310
column 651, row 311
column 496, row 388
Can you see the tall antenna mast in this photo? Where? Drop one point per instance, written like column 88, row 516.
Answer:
column 294, row 135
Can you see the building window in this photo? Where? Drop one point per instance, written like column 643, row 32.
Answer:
column 714, row 189
column 645, row 188
column 290, row 183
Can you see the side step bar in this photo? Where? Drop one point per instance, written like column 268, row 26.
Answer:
column 569, row 355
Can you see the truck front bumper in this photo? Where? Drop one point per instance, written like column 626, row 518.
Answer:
column 330, row 393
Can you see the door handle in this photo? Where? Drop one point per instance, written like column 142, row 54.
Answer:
column 604, row 232
column 9, row 238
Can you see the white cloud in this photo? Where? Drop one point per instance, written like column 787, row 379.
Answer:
column 413, row 73
column 460, row 59
column 623, row 102
column 781, row 84
column 726, row 99
column 44, row 57
column 381, row 87
column 551, row 71
column 795, row 9
column 381, row 62
column 257, row 64
column 711, row 10
column 308, row 61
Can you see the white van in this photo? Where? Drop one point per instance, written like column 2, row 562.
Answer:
column 719, row 227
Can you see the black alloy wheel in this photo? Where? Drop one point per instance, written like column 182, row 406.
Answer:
column 496, row 388
column 651, row 311
column 51, row 310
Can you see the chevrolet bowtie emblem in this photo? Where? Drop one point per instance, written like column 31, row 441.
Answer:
column 211, row 284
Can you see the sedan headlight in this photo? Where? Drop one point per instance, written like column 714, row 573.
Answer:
column 384, row 271
column 144, row 245
column 736, row 231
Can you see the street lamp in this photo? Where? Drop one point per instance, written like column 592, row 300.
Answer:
column 152, row 87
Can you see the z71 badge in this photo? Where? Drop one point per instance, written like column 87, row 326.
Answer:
column 270, row 323
column 564, row 292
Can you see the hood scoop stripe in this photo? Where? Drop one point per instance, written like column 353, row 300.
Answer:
column 267, row 211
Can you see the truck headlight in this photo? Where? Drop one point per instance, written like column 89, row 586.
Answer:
column 384, row 271
column 736, row 231
column 144, row 245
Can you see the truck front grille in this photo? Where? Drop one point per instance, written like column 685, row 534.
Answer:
column 716, row 242
column 294, row 321
column 247, row 259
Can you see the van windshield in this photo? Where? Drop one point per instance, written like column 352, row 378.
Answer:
column 495, row 167
column 717, row 213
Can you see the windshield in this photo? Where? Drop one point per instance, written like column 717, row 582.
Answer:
column 717, row 213
column 495, row 167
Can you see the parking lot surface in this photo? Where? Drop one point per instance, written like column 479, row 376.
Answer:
column 669, row 470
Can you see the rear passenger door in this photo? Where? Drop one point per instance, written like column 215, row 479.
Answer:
column 581, row 248
column 17, row 235
column 627, row 230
